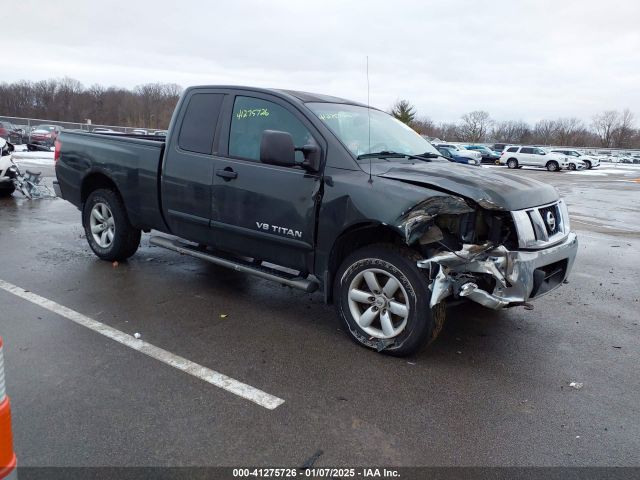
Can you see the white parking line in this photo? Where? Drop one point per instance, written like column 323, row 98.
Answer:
column 211, row 376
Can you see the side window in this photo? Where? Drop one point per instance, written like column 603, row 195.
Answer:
column 252, row 116
column 512, row 149
column 537, row 151
column 526, row 150
column 199, row 122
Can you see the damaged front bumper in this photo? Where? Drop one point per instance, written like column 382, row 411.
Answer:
column 510, row 278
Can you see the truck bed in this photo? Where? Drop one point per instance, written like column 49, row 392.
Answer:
column 133, row 162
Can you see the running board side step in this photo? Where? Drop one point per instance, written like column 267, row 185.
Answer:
column 306, row 284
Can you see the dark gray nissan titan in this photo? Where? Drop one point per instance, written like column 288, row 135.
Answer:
column 318, row 192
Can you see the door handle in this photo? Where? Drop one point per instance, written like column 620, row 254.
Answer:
column 227, row 174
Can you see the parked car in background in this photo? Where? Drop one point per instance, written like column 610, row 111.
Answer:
column 45, row 134
column 590, row 161
column 454, row 156
column 103, row 130
column 519, row 156
column 488, row 155
column 463, row 152
column 140, row 131
column 160, row 133
column 576, row 164
column 499, row 147
column 10, row 132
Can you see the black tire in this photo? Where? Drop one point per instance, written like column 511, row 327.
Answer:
column 572, row 166
column 6, row 188
column 553, row 166
column 588, row 164
column 512, row 163
column 423, row 324
column 6, row 192
column 126, row 238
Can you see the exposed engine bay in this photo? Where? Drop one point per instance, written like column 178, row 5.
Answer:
column 480, row 254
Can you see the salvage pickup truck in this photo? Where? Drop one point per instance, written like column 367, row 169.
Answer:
column 322, row 193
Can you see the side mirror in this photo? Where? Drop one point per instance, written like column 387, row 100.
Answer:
column 277, row 148
column 312, row 157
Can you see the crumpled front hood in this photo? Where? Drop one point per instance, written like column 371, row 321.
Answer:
column 497, row 190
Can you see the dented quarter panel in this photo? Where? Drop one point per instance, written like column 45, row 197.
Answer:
column 350, row 200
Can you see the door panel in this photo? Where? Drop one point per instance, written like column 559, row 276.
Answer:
column 539, row 159
column 526, row 157
column 265, row 209
column 262, row 210
column 188, row 169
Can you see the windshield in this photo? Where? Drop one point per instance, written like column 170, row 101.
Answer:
column 350, row 123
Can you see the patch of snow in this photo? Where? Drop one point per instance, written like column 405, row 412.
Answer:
column 35, row 161
column 589, row 172
column 606, row 171
column 32, row 155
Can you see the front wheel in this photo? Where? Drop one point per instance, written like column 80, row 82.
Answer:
column 587, row 164
column 107, row 228
column 383, row 298
column 553, row 166
column 572, row 166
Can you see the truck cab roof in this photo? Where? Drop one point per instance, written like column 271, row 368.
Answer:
column 295, row 95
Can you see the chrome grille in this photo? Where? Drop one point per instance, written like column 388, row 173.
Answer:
column 551, row 218
column 540, row 227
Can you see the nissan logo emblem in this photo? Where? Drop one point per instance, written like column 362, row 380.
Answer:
column 551, row 221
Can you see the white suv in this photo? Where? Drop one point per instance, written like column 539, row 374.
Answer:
column 589, row 160
column 516, row 157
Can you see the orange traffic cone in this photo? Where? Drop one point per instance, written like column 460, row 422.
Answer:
column 7, row 455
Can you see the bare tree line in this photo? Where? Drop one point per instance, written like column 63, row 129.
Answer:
column 150, row 105
column 609, row 129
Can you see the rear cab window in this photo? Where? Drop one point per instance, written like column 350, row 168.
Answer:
column 199, row 122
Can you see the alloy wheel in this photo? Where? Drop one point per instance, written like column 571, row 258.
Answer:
column 102, row 225
column 378, row 303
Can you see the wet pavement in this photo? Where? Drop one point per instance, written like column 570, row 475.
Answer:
column 493, row 390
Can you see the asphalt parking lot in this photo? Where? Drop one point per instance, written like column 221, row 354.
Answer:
column 492, row 391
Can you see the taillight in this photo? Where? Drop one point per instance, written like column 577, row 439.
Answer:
column 56, row 153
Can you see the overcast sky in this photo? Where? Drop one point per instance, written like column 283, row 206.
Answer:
column 516, row 59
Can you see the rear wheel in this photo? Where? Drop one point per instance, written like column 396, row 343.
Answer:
column 106, row 224
column 512, row 163
column 383, row 298
column 553, row 166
